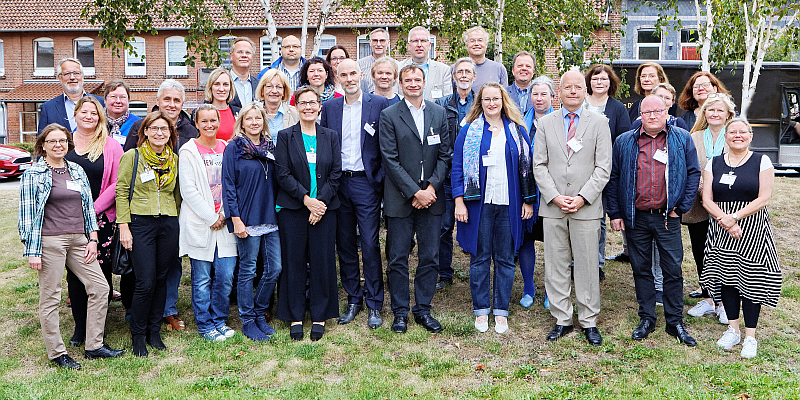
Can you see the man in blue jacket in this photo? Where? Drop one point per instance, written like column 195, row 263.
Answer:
column 290, row 61
column 61, row 109
column 654, row 179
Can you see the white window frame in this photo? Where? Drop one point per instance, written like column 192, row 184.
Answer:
column 175, row 70
column 43, row 71
column 137, row 70
column 687, row 44
column 227, row 62
column 322, row 50
column 432, row 55
column 658, row 45
column 138, row 108
column 87, row 70
column 363, row 39
column 265, row 43
column 2, row 59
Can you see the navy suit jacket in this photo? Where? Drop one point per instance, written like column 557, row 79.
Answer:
column 53, row 112
column 371, row 107
column 253, row 83
column 294, row 176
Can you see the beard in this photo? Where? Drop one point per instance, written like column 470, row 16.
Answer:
column 464, row 85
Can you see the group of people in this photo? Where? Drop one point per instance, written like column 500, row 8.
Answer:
column 274, row 177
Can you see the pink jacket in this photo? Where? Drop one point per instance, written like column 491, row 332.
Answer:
column 112, row 153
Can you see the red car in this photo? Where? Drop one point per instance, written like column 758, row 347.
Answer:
column 13, row 161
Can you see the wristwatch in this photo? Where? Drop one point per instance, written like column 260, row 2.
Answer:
column 735, row 217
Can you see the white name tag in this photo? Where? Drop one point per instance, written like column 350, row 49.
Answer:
column 74, row 186
column 489, row 160
column 661, row 156
column 312, row 157
column 727, row 179
column 434, row 139
column 147, row 176
column 369, row 129
column 575, row 145
column 436, row 94
column 463, row 121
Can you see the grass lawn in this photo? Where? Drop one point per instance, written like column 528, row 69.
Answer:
column 354, row 362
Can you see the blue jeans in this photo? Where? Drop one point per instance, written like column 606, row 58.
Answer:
column 446, row 238
column 173, row 282
column 211, row 300
column 253, row 305
column 494, row 243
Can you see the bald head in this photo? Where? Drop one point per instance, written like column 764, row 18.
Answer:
column 290, row 49
column 573, row 90
column 653, row 111
column 349, row 76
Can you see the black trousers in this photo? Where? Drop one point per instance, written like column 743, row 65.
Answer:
column 697, row 235
column 731, row 299
column 308, row 254
column 399, row 236
column 155, row 249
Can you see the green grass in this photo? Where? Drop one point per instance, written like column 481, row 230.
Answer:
column 354, row 362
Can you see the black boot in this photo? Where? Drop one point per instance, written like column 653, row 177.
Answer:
column 139, row 347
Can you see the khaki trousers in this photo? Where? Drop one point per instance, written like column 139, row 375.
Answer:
column 567, row 239
column 68, row 250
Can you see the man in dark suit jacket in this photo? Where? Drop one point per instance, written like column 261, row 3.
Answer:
column 60, row 110
column 355, row 116
column 416, row 149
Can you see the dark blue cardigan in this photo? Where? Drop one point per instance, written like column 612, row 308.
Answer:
column 246, row 192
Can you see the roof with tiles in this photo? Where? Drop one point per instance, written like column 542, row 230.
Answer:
column 37, row 15
column 43, row 91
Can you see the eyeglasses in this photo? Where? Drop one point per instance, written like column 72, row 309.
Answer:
column 718, row 96
column 378, row 40
column 57, row 141
column 114, row 97
column 71, row 73
column 157, row 129
column 418, row 41
column 650, row 76
column 492, row 99
column 739, row 133
column 463, row 72
column 654, row 112
column 270, row 87
column 599, row 79
column 573, row 87
column 338, row 58
column 705, row 85
column 304, row 104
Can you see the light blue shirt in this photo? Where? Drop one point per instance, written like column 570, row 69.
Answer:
column 243, row 89
column 564, row 113
column 69, row 107
column 424, row 71
column 276, row 124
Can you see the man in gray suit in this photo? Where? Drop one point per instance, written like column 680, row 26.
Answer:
column 416, row 149
column 572, row 163
column 437, row 75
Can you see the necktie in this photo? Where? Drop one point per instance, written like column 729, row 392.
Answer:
column 571, row 131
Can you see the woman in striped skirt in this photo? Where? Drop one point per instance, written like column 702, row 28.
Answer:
column 741, row 263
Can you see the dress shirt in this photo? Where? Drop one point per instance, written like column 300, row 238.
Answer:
column 294, row 76
column 276, row 124
column 351, row 135
column 419, row 121
column 424, row 67
column 565, row 113
column 523, row 96
column 243, row 88
column 651, row 183
column 496, row 175
column 69, row 107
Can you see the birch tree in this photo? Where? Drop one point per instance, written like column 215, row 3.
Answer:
column 304, row 30
column 272, row 29
column 326, row 9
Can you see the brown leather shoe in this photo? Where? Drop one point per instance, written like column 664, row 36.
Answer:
column 174, row 323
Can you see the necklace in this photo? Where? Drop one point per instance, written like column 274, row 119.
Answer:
column 57, row 170
column 731, row 172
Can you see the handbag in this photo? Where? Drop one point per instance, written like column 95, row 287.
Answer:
column 121, row 260
column 527, row 183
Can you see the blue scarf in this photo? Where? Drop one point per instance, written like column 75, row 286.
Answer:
column 713, row 149
column 472, row 154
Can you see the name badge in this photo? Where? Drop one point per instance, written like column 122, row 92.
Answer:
column 489, row 160
column 463, row 121
column 575, row 145
column 434, row 139
column 661, row 156
column 436, row 94
column 727, row 179
column 147, row 176
column 369, row 129
column 74, row 186
column 312, row 157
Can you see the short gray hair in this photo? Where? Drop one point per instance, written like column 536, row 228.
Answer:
column 243, row 39
column 378, row 30
column 462, row 60
column 545, row 80
column 171, row 84
column 417, row 28
column 70, row 59
column 478, row 28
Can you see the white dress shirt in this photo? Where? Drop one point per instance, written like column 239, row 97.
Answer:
column 497, row 175
column 419, row 121
column 351, row 136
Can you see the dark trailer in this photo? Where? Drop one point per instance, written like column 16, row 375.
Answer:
column 775, row 103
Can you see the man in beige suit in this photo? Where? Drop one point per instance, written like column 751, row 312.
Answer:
column 572, row 163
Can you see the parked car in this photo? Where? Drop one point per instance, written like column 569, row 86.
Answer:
column 13, row 161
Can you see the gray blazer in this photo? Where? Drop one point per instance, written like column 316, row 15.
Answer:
column 584, row 173
column 406, row 158
column 437, row 80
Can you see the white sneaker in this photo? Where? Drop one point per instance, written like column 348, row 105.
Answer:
column 500, row 328
column 702, row 308
column 729, row 339
column 482, row 326
column 749, row 347
column 723, row 317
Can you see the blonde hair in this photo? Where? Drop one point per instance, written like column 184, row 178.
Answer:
column 702, row 122
column 97, row 143
column 239, row 131
column 215, row 74
column 268, row 76
column 510, row 109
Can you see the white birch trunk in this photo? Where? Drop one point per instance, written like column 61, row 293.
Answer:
column 705, row 34
column 326, row 9
column 498, row 32
column 272, row 29
column 304, row 31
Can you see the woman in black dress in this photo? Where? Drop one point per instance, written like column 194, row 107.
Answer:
column 740, row 263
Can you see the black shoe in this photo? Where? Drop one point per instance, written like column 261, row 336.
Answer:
column 374, row 319
column 429, row 323
column 296, row 332
column 645, row 328
column 680, row 332
column 350, row 313
column 558, row 332
column 696, row 295
column 400, row 324
column 317, row 330
column 65, row 361
column 103, row 352
column 593, row 336
column 139, row 348
column 621, row 257
column 444, row 283
column 602, row 275
column 76, row 340
column 154, row 340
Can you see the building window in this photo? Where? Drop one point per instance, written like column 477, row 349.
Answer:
column 325, row 43
column 572, row 49
column 225, row 44
column 134, row 58
column 176, row 56
column 364, row 48
column 648, row 45
column 138, row 108
column 689, row 39
column 83, row 50
column 433, row 48
column 267, row 58
column 43, row 58
column 2, row 60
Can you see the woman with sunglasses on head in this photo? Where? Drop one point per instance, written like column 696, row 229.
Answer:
column 58, row 227
column 695, row 93
column 148, row 224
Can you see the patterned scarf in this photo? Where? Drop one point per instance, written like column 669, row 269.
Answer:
column 116, row 124
column 165, row 165
column 246, row 150
column 328, row 93
column 472, row 150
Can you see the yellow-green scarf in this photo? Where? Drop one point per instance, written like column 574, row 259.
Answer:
column 165, row 165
